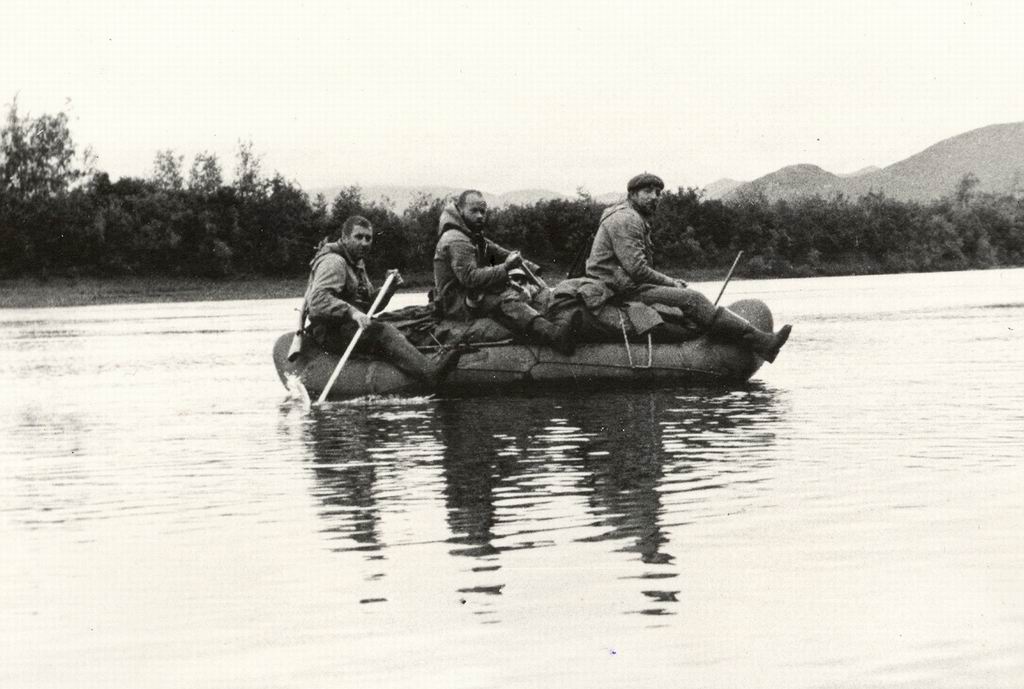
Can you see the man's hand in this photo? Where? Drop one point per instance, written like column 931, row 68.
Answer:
column 513, row 260
column 361, row 319
column 398, row 277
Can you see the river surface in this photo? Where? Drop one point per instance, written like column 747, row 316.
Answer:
column 852, row 517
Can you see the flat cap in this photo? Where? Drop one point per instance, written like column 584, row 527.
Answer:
column 643, row 181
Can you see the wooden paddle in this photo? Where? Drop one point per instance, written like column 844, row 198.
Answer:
column 728, row 277
column 529, row 273
column 355, row 338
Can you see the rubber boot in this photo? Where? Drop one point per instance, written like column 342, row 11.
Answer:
column 569, row 322
column 559, row 337
column 732, row 326
column 405, row 357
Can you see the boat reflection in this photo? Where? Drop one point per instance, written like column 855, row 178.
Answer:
column 345, row 479
column 629, row 469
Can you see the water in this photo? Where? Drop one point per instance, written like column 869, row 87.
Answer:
column 852, row 517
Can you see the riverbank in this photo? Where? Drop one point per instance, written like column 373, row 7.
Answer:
column 62, row 291
column 33, row 293
column 66, row 291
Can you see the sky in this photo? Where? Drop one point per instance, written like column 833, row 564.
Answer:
column 513, row 95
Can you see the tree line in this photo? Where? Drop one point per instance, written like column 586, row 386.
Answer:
column 59, row 215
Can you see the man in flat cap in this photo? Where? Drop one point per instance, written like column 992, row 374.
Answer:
column 622, row 257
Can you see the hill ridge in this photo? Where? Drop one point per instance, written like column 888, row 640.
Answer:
column 993, row 153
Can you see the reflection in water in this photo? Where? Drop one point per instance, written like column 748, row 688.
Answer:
column 516, row 472
column 481, row 450
column 623, row 469
column 638, row 441
column 345, row 476
column 343, row 440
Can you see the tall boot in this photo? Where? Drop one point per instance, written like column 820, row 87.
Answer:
column 405, row 357
column 559, row 336
column 734, row 327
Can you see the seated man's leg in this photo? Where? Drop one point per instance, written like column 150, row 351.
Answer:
column 389, row 342
column 718, row 320
column 692, row 303
column 516, row 311
column 518, row 315
column 334, row 337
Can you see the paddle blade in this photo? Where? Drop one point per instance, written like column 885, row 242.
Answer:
column 297, row 392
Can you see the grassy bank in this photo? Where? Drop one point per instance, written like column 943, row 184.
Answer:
column 35, row 293
column 31, row 293
column 62, row 291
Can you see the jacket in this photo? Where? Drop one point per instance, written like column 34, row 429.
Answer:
column 622, row 254
column 467, row 268
column 337, row 284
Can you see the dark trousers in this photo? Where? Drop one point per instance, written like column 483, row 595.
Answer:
column 509, row 308
column 694, row 305
column 334, row 337
column 382, row 340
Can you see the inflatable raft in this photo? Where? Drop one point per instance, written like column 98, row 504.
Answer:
column 488, row 367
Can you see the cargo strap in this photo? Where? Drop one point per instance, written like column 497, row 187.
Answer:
column 629, row 351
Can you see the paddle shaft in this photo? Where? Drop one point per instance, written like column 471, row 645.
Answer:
column 728, row 277
column 355, row 338
column 529, row 274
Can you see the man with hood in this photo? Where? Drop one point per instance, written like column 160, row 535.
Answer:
column 471, row 277
column 622, row 256
column 339, row 295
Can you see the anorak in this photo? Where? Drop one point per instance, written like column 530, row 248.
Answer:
column 337, row 284
column 468, row 273
column 622, row 255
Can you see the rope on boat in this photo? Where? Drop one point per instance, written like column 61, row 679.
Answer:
column 625, row 339
column 629, row 351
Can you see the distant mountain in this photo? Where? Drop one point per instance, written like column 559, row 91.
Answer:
column 994, row 154
column 721, row 187
column 401, row 197
column 527, row 197
column 789, row 183
column 863, row 171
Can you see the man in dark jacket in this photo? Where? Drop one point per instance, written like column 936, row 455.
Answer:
column 340, row 294
column 471, row 277
column 622, row 257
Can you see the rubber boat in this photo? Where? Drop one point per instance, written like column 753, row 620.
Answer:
column 488, row 367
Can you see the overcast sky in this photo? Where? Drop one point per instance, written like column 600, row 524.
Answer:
column 509, row 95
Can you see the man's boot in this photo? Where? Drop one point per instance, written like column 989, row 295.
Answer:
column 405, row 357
column 560, row 336
column 732, row 326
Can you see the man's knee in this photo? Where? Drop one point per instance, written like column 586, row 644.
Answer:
column 689, row 301
column 701, row 309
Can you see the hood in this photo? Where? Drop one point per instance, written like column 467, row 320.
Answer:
column 325, row 247
column 614, row 208
column 322, row 249
column 452, row 219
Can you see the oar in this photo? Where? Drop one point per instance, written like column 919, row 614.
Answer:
column 529, row 273
column 728, row 277
column 355, row 338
